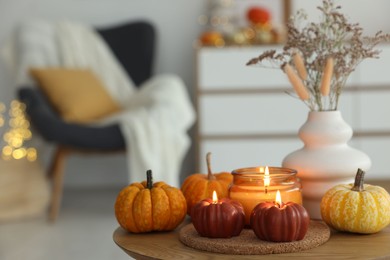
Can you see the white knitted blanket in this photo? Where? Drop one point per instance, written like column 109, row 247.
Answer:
column 156, row 117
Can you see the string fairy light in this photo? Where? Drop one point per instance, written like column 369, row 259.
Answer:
column 2, row 110
column 17, row 134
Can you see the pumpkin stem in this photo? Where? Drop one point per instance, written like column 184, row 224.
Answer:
column 210, row 175
column 149, row 179
column 359, row 181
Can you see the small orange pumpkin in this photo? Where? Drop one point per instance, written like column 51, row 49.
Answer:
column 199, row 186
column 144, row 207
column 212, row 38
column 258, row 15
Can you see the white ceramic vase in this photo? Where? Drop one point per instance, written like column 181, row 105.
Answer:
column 326, row 159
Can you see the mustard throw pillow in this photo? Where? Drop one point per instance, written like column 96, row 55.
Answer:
column 77, row 94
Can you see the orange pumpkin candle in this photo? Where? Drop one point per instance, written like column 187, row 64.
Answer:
column 280, row 222
column 259, row 184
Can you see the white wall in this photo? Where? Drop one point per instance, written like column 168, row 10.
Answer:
column 176, row 21
column 371, row 15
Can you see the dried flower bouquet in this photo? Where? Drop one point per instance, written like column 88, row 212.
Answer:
column 319, row 57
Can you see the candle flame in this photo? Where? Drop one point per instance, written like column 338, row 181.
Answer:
column 266, row 177
column 215, row 197
column 278, row 198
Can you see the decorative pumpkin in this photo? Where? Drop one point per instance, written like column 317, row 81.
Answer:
column 144, row 207
column 212, row 38
column 283, row 222
column 199, row 186
column 258, row 15
column 357, row 208
column 215, row 218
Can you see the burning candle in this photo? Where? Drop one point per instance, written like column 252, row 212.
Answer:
column 279, row 222
column 259, row 184
column 266, row 179
column 216, row 218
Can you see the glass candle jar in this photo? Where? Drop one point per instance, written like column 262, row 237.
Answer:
column 252, row 185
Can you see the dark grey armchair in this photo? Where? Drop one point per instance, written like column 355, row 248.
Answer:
column 133, row 44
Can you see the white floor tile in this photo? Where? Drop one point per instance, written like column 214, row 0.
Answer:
column 83, row 230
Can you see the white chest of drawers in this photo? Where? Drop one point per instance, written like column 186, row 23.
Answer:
column 246, row 118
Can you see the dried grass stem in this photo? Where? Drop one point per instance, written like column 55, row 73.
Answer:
column 300, row 65
column 309, row 46
column 296, row 82
column 327, row 77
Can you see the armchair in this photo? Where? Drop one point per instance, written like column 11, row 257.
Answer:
column 133, row 45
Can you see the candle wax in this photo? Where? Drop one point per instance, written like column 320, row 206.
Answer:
column 250, row 196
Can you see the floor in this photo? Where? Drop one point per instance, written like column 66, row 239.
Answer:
column 83, row 231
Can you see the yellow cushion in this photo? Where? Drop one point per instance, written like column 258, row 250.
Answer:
column 77, row 94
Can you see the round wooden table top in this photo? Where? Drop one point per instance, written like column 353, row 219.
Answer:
column 340, row 246
column 166, row 245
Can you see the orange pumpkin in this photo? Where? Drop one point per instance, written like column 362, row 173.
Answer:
column 199, row 186
column 144, row 207
column 258, row 15
column 212, row 38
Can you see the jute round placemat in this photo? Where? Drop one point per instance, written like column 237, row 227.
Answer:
column 248, row 244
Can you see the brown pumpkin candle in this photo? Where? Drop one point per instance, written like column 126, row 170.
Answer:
column 280, row 222
column 215, row 218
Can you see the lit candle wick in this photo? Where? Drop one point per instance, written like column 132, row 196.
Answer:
column 266, row 179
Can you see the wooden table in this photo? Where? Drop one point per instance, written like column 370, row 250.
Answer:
column 340, row 245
